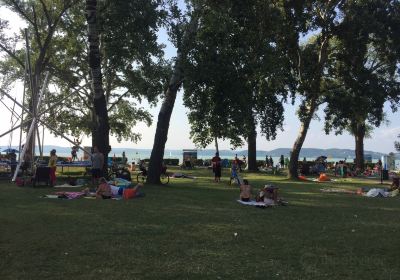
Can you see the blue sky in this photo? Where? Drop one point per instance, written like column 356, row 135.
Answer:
column 382, row 138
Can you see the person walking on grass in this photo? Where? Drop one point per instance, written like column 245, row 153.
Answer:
column 216, row 164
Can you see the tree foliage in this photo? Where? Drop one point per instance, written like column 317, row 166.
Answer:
column 234, row 73
column 132, row 62
column 364, row 72
column 397, row 144
column 309, row 57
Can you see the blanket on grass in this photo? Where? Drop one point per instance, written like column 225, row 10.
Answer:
column 66, row 185
column 319, row 181
column 66, row 195
column 254, row 203
column 377, row 192
column 338, row 190
column 181, row 175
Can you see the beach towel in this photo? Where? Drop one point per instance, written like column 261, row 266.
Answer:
column 377, row 193
column 70, row 195
column 65, row 195
column 181, row 175
column 68, row 186
column 254, row 203
column 119, row 182
column 337, row 190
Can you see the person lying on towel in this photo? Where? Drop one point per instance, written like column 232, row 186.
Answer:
column 245, row 191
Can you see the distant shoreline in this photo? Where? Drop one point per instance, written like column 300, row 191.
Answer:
column 311, row 153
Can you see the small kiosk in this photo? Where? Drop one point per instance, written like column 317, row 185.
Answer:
column 189, row 158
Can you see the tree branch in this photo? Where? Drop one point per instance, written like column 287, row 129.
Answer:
column 10, row 53
column 35, row 27
column 21, row 12
column 46, row 13
column 118, row 100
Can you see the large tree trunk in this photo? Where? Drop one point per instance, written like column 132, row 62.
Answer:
column 359, row 134
column 252, row 149
column 216, row 144
column 298, row 144
column 161, row 136
column 101, row 135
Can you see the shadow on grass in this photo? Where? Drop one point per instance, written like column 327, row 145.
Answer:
column 195, row 229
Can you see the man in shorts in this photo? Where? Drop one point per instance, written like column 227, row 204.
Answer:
column 97, row 164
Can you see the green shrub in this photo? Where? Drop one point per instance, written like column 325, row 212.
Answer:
column 171, row 161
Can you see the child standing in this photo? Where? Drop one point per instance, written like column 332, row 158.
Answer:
column 53, row 167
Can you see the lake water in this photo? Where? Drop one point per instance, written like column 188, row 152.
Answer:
column 145, row 154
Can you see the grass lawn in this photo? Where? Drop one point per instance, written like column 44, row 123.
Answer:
column 186, row 230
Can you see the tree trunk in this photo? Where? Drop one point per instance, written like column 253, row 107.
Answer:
column 101, row 135
column 298, row 144
column 359, row 134
column 164, row 116
column 252, row 149
column 216, row 144
column 93, row 127
column 161, row 136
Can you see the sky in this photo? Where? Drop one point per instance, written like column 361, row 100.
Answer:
column 179, row 132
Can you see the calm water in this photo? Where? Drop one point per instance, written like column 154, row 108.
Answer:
column 136, row 156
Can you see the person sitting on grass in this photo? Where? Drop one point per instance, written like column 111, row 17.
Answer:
column 103, row 190
column 269, row 195
column 395, row 184
column 245, row 191
column 142, row 167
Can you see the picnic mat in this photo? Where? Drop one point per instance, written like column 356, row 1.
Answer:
column 68, row 186
column 253, row 203
column 337, row 190
column 65, row 195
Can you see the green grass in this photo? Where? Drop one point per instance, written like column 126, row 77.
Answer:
column 186, row 230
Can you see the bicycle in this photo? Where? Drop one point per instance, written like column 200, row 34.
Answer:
column 142, row 177
column 119, row 172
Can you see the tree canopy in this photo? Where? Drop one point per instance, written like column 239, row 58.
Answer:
column 235, row 73
column 363, row 72
column 132, row 59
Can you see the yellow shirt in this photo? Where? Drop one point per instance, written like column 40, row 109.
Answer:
column 53, row 161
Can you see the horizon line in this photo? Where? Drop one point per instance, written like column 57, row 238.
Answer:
column 209, row 149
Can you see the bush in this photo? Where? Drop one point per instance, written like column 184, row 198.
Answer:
column 199, row 162
column 171, row 161
column 260, row 163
